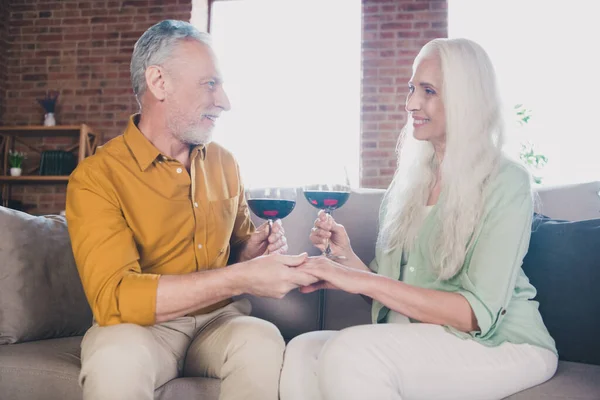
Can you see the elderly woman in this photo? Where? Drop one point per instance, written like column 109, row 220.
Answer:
column 453, row 315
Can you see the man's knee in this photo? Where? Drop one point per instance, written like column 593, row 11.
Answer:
column 114, row 357
column 258, row 336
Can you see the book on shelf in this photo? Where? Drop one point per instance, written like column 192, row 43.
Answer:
column 57, row 162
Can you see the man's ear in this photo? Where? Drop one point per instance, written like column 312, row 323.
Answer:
column 155, row 80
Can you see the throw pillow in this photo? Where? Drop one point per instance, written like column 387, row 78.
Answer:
column 41, row 295
column 563, row 263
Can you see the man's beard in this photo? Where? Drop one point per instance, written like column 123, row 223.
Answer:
column 192, row 135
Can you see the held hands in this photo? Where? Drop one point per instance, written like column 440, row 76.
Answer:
column 270, row 273
column 331, row 275
column 274, row 275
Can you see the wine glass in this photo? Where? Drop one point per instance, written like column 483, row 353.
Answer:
column 271, row 203
column 329, row 196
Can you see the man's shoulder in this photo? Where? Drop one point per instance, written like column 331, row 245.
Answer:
column 104, row 155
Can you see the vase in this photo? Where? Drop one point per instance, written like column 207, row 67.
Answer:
column 49, row 119
column 15, row 171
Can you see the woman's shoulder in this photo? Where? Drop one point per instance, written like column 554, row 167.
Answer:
column 510, row 181
column 510, row 176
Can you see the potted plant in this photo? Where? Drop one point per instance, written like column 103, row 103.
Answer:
column 15, row 161
column 533, row 160
column 49, row 104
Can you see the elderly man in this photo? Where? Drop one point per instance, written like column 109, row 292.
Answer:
column 163, row 239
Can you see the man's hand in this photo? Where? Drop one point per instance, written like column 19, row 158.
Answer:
column 273, row 275
column 265, row 240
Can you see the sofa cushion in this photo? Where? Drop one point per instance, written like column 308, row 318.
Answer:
column 45, row 369
column 40, row 290
column 571, row 381
column 189, row 388
column 563, row 263
column 49, row 370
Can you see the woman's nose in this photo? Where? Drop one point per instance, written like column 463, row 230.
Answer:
column 413, row 103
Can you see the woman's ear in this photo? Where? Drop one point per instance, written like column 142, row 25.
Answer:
column 155, row 81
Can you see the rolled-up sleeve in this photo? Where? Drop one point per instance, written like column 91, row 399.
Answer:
column 493, row 264
column 106, row 254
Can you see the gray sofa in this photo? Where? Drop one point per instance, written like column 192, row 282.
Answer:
column 44, row 363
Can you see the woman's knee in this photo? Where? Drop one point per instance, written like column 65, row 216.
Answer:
column 302, row 352
column 308, row 345
column 342, row 354
column 352, row 366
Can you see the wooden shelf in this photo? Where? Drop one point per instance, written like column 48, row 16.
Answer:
column 12, row 136
column 39, row 130
column 34, row 179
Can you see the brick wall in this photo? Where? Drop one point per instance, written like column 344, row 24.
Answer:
column 393, row 33
column 83, row 49
column 3, row 51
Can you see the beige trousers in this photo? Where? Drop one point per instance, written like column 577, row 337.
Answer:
column 407, row 362
column 129, row 361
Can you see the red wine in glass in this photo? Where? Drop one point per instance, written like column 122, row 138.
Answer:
column 327, row 198
column 270, row 203
column 327, row 201
column 271, row 208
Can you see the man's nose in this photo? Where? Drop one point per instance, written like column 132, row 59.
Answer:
column 222, row 100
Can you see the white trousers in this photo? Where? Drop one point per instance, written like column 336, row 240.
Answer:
column 408, row 362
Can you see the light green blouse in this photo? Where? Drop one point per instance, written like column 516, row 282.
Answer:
column 491, row 278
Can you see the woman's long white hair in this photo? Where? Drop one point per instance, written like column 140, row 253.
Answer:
column 474, row 133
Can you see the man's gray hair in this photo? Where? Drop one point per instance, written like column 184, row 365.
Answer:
column 156, row 45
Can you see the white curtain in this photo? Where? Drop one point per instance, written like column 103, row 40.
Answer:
column 546, row 57
column 292, row 71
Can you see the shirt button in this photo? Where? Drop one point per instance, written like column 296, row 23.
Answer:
column 179, row 170
column 412, row 269
column 195, row 204
column 200, row 246
column 503, row 312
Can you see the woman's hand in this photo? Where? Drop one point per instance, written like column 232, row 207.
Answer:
column 326, row 229
column 332, row 275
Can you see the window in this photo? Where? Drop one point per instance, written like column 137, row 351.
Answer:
column 546, row 59
column 292, row 71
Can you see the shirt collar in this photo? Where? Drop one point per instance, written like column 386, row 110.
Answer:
column 143, row 151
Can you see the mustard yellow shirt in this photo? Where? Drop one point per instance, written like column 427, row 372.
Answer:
column 134, row 214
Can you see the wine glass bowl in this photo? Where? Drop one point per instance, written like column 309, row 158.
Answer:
column 271, row 203
column 327, row 197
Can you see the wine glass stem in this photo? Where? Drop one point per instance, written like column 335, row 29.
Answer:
column 327, row 251
column 270, row 224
